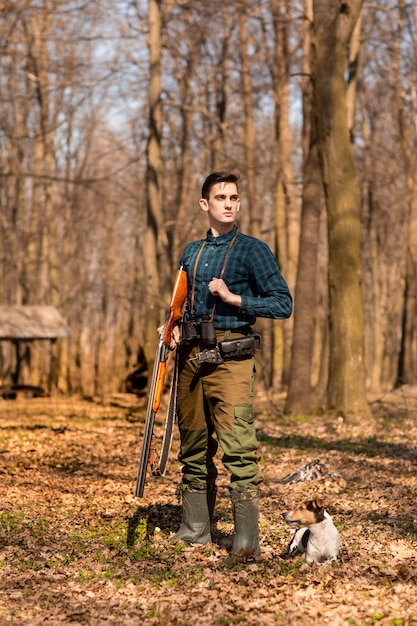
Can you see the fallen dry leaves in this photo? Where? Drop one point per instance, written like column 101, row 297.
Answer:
column 76, row 546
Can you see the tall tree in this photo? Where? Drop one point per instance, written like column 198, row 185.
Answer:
column 299, row 398
column 248, row 122
column 287, row 202
column 186, row 55
column 221, row 82
column 385, row 212
column 406, row 96
column 154, row 173
column 334, row 22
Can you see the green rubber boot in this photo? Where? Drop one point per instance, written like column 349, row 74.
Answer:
column 246, row 517
column 211, row 500
column 197, row 510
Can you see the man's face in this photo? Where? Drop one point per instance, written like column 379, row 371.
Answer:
column 222, row 206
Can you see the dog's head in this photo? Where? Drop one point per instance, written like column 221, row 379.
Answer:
column 305, row 514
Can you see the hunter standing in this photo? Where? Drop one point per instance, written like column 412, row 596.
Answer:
column 232, row 280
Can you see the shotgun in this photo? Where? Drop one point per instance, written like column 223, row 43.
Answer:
column 179, row 294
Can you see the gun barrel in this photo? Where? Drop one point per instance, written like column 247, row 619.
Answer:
column 144, row 456
column 156, row 388
column 149, row 421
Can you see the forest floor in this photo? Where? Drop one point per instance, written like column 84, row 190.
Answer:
column 77, row 547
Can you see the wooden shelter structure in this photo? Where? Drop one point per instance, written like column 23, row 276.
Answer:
column 23, row 325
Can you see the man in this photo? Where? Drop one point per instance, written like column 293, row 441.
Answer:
column 232, row 280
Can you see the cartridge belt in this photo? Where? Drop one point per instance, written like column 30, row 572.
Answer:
column 237, row 348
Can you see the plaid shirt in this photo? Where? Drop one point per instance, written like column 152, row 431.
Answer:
column 251, row 271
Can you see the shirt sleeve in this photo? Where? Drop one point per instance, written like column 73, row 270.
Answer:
column 270, row 296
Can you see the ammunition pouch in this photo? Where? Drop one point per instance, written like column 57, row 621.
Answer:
column 241, row 348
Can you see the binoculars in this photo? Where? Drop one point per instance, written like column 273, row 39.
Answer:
column 199, row 329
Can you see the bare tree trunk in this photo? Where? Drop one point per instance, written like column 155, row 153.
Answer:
column 333, row 26
column 285, row 171
column 288, row 222
column 408, row 359
column 300, row 394
column 39, row 56
column 154, row 172
column 375, row 280
column 43, row 263
column 408, row 137
column 222, row 90
column 186, row 179
column 249, row 126
column 254, row 208
column 286, row 226
column 354, row 71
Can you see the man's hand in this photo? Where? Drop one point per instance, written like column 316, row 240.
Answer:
column 175, row 335
column 218, row 287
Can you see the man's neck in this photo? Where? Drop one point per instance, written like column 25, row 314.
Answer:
column 219, row 230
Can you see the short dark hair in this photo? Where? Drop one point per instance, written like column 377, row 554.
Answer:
column 217, row 177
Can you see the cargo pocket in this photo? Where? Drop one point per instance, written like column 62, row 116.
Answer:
column 245, row 432
column 244, row 412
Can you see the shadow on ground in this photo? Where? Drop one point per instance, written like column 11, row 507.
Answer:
column 368, row 447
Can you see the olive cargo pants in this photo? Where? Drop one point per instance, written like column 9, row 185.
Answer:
column 217, row 399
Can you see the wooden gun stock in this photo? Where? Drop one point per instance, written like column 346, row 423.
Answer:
column 179, row 294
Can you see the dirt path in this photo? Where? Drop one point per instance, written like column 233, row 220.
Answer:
column 76, row 547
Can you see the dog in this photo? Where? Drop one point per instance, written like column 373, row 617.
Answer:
column 317, row 537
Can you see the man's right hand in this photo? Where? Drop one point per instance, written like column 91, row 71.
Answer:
column 175, row 335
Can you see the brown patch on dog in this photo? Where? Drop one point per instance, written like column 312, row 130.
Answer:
column 307, row 513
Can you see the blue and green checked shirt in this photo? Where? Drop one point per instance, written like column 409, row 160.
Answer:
column 251, row 271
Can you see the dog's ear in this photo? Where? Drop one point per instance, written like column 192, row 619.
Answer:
column 319, row 506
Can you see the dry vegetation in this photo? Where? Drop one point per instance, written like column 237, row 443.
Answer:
column 76, row 547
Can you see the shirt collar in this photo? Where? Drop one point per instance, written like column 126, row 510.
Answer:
column 226, row 238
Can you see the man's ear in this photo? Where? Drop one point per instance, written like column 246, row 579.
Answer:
column 203, row 204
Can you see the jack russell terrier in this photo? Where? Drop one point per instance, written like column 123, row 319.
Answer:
column 318, row 538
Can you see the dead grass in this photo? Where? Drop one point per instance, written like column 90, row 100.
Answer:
column 76, row 547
